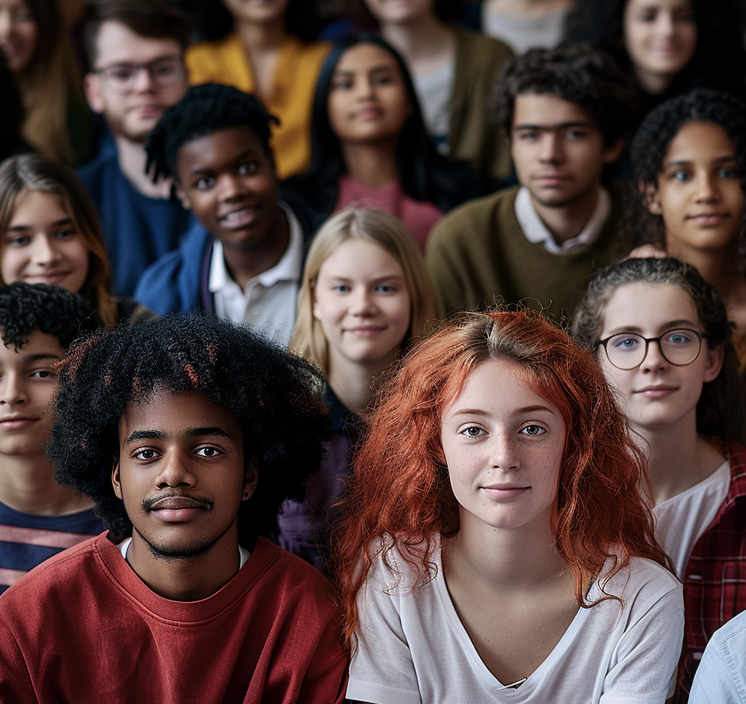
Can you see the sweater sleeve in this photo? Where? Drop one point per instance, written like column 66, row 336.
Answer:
column 15, row 682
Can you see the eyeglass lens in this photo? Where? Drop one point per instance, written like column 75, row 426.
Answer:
column 163, row 73
column 628, row 350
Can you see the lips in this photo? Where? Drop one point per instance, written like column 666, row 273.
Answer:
column 505, row 491
column 49, row 277
column 550, row 179
column 17, row 421
column 656, row 391
column 366, row 330
column 241, row 217
column 176, row 509
column 708, row 219
column 370, row 112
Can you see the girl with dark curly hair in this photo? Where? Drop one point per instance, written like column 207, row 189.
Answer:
column 666, row 349
column 495, row 539
column 689, row 164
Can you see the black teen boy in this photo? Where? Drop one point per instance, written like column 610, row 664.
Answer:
column 38, row 517
column 566, row 113
column 210, row 427
column 244, row 259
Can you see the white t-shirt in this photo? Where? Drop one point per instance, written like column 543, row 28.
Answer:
column 413, row 649
column 524, row 33
column 434, row 92
column 682, row 519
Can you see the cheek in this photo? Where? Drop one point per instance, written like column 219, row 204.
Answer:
column 335, row 111
column 11, row 264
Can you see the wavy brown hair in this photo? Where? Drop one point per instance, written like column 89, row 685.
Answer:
column 600, row 514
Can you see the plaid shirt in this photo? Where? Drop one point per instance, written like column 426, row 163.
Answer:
column 715, row 576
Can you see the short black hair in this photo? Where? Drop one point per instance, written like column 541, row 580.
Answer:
column 153, row 19
column 651, row 142
column 49, row 309
column 204, row 109
column 577, row 74
column 276, row 396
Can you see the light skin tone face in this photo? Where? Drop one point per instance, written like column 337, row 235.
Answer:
column 368, row 100
column 182, row 475
column 257, row 11
column 27, row 384
column 41, row 244
column 132, row 115
column 399, row 11
column 363, row 304
column 503, row 445
column 230, row 183
column 657, row 394
column 558, row 152
column 660, row 37
column 699, row 192
column 19, row 34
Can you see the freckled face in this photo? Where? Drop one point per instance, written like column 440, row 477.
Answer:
column 503, row 445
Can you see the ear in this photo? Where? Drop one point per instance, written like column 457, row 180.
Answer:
column 182, row 196
column 316, row 310
column 715, row 360
column 612, row 152
column 94, row 92
column 115, row 480
column 650, row 198
column 251, row 479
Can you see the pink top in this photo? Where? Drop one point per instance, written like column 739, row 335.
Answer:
column 419, row 216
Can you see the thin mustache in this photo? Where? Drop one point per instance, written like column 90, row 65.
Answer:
column 148, row 504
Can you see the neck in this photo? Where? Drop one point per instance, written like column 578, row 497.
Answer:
column 528, row 8
column 424, row 42
column 353, row 383
column 678, row 458
column 27, row 484
column 719, row 266
column 259, row 38
column 568, row 221
column 244, row 263
column 182, row 579
column 372, row 164
column 131, row 158
column 653, row 83
column 519, row 559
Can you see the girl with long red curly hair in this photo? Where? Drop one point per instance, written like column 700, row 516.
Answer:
column 494, row 544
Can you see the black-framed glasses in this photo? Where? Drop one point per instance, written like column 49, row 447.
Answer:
column 164, row 72
column 627, row 350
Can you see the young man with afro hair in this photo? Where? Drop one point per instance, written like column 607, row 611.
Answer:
column 38, row 517
column 566, row 113
column 244, row 258
column 188, row 432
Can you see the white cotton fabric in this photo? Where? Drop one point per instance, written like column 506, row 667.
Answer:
column 434, row 91
column 524, row 33
column 413, row 649
column 682, row 519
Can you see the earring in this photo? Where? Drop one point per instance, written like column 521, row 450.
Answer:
column 246, row 495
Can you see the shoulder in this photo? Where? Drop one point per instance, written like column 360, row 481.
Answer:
column 642, row 583
column 203, row 51
column 95, row 172
column 479, row 50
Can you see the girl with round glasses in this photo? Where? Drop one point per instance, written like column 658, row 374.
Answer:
column 662, row 336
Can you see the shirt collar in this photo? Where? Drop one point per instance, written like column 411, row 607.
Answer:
column 289, row 268
column 536, row 231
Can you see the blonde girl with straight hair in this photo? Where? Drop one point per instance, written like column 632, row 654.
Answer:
column 365, row 296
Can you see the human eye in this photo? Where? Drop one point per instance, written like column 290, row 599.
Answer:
column 145, row 454
column 679, row 337
column 472, row 431
column 728, row 172
column 625, row 342
column 119, row 74
column 341, row 288
column 386, row 288
column 208, row 451
column 680, row 175
column 528, row 135
column 533, row 430
column 43, row 374
column 65, row 233
column 204, row 183
column 384, row 78
column 249, row 167
column 165, row 68
column 18, row 240
column 647, row 15
column 576, row 134
column 341, row 83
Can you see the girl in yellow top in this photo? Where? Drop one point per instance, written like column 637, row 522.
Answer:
column 263, row 55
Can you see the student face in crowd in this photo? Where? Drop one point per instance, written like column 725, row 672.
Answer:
column 558, row 151
column 228, row 179
column 503, row 444
column 660, row 37
column 257, row 12
column 27, row 383
column 387, row 12
column 134, row 79
column 657, row 394
column 363, row 304
column 182, row 475
column 19, row 34
column 368, row 99
column 42, row 245
column 699, row 193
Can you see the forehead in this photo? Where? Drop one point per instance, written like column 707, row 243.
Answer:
column 360, row 258
column 117, row 43
column 37, row 206
column 218, row 150
column 700, row 141
column 657, row 5
column 37, row 343
column 364, row 57
column 547, row 110
column 648, row 307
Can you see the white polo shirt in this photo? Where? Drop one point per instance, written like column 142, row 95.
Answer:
column 269, row 300
column 536, row 231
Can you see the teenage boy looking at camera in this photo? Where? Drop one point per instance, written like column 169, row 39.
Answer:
column 566, row 112
column 244, row 258
column 38, row 517
column 136, row 50
column 193, row 606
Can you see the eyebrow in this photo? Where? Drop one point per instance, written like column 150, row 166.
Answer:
column 558, row 126
column 58, row 223
column 41, row 357
column 250, row 152
column 214, row 431
column 375, row 69
column 670, row 325
column 516, row 412
column 686, row 162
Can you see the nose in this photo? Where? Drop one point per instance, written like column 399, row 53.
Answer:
column 707, row 191
column 654, row 359
column 174, row 471
column 44, row 252
column 6, row 24
column 12, row 390
column 142, row 82
column 232, row 187
column 551, row 147
column 665, row 23
column 362, row 303
column 503, row 453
